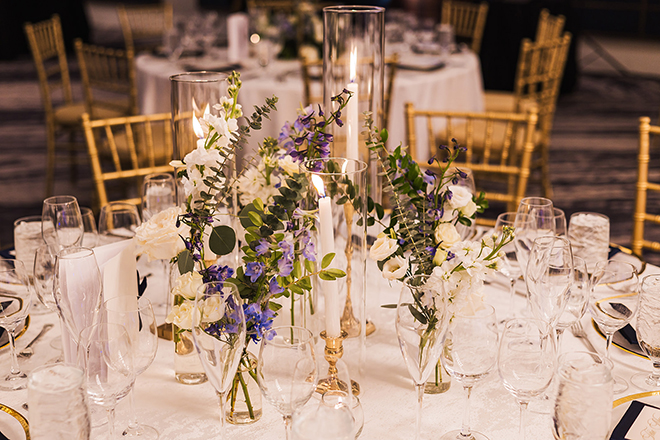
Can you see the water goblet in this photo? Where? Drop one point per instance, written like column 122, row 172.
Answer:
column 137, row 316
column 118, row 221
column 15, row 299
column 613, row 301
column 648, row 331
column 470, row 353
column 219, row 336
column 106, row 357
column 27, row 238
column 158, row 194
column 589, row 233
column 577, row 301
column 286, row 369
column 91, row 233
column 62, row 224
column 421, row 323
column 526, row 360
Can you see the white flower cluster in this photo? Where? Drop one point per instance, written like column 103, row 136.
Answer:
column 253, row 183
column 159, row 238
column 187, row 286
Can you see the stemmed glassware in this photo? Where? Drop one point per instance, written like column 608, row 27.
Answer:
column 78, row 294
column 470, row 353
column 613, row 302
column 648, row 331
column 526, row 360
column 62, row 224
column 137, row 316
column 421, row 323
column 286, row 369
column 44, row 284
column 158, row 194
column 511, row 267
column 219, row 336
column 118, row 221
column 578, row 298
column 106, row 357
column 15, row 300
column 540, row 214
column 90, row 231
column 560, row 222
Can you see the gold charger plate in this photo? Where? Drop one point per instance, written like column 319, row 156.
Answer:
column 622, row 253
column 4, row 339
column 19, row 417
column 620, row 342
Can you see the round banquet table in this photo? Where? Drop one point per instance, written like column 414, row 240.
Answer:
column 191, row 412
column 456, row 86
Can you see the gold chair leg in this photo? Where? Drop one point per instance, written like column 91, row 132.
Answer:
column 545, row 172
column 50, row 159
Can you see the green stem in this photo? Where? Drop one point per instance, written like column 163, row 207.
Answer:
column 293, row 303
column 248, row 402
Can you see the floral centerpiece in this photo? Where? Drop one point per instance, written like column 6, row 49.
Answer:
column 278, row 254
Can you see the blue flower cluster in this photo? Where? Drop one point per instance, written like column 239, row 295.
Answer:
column 257, row 320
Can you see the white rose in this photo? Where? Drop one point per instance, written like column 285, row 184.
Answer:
column 460, row 196
column 395, row 268
column 383, row 247
column 159, row 238
column 469, row 209
column 440, row 256
column 289, row 165
column 214, row 309
column 446, row 235
column 182, row 315
column 187, row 284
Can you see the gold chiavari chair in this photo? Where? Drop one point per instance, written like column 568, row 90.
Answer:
column 549, row 26
column 143, row 26
column 641, row 215
column 47, row 47
column 312, row 87
column 108, row 77
column 468, row 20
column 499, row 148
column 124, row 150
column 538, row 79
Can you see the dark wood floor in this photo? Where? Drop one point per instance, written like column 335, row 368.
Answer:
column 593, row 148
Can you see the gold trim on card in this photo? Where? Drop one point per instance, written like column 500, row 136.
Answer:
column 18, row 416
column 623, row 400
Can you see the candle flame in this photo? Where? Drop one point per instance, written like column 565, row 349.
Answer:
column 353, row 64
column 197, row 127
column 317, row 181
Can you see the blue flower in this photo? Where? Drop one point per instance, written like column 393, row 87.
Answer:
column 285, row 266
column 216, row 273
column 257, row 321
column 429, row 177
column 274, row 287
column 262, row 247
column 254, row 270
column 287, row 249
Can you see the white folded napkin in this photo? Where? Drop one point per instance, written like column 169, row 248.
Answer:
column 237, row 37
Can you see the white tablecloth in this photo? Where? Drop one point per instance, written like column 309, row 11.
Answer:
column 190, row 412
column 458, row 86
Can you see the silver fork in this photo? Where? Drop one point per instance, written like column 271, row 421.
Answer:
column 578, row 332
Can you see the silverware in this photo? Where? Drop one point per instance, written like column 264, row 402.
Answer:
column 578, row 332
column 28, row 351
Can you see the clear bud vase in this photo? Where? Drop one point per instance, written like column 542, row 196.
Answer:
column 439, row 382
column 188, row 368
column 243, row 405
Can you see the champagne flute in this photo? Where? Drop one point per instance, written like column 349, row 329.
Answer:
column 90, row 232
column 78, row 294
column 541, row 222
column 62, row 224
column 158, row 194
column 137, row 316
column 286, row 369
column 613, row 302
column 511, row 268
column 106, row 357
column 44, row 283
column 118, row 221
column 219, row 336
column 578, row 298
column 421, row 323
column 15, row 300
column 526, row 361
column 648, row 331
column 470, row 353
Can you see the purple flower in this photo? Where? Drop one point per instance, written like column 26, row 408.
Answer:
column 287, row 249
column 285, row 267
column 429, row 177
column 216, row 273
column 431, row 250
column 254, row 270
column 450, row 255
column 257, row 321
column 262, row 247
column 273, row 287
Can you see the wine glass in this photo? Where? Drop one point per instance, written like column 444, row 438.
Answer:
column 421, row 323
column 531, row 223
column 560, row 222
column 613, row 301
column 549, row 276
column 15, row 300
column 137, row 316
column 90, row 232
column 62, row 224
column 470, row 353
column 118, row 221
column 78, row 294
column 526, row 361
column 106, row 357
column 158, row 194
column 286, row 370
column 44, row 283
column 578, row 298
column 219, row 336
column 511, row 268
column 648, row 331
column 536, row 206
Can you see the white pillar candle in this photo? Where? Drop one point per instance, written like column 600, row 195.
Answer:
column 352, row 116
column 327, row 246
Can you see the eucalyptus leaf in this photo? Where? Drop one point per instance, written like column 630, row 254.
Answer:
column 327, row 260
column 185, row 262
column 222, row 240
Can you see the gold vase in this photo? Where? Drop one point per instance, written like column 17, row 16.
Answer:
column 243, row 405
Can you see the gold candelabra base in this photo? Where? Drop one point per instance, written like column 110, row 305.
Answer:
column 334, row 350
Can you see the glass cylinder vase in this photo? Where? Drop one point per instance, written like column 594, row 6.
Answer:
column 188, row 368
column 336, row 194
column 353, row 60
column 243, row 405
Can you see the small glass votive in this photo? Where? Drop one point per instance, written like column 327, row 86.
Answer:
column 57, row 402
column 589, row 233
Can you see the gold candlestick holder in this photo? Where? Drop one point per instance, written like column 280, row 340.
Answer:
column 334, row 350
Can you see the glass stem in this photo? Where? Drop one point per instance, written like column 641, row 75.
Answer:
column 223, row 398
column 287, row 426
column 465, row 429
column 608, row 342
column 655, row 374
column 523, row 411
column 111, row 420
column 133, row 424
column 560, row 334
column 418, row 420
column 512, row 295
column 15, row 368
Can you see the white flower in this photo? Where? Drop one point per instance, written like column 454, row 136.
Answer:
column 446, row 235
column 187, row 284
column 182, row 315
column 159, row 237
column 469, row 209
column 213, row 309
column 198, row 167
column 395, row 268
column 440, row 256
column 252, row 184
column 383, row 247
column 288, row 165
column 460, row 196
